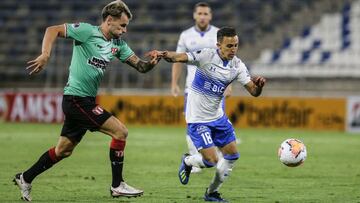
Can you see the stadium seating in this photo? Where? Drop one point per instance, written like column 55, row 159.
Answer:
column 329, row 48
column 157, row 24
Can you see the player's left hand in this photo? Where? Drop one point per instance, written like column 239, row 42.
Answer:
column 37, row 64
column 259, row 81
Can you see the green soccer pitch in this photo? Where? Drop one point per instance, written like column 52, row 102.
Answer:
column 331, row 172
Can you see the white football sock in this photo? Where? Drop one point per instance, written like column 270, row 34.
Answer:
column 223, row 169
column 195, row 160
column 191, row 146
column 219, row 154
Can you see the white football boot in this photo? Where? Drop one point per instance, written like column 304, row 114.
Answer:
column 25, row 188
column 125, row 190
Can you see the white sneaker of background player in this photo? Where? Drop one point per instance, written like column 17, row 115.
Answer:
column 125, row 190
column 24, row 187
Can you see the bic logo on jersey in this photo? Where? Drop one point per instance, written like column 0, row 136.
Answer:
column 214, row 88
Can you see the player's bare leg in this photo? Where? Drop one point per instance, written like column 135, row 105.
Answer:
column 23, row 180
column 210, row 156
column 118, row 131
column 193, row 152
column 223, row 169
column 65, row 147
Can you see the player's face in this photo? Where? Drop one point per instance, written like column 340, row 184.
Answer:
column 202, row 17
column 228, row 47
column 117, row 26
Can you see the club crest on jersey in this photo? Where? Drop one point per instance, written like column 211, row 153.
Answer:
column 114, row 50
column 97, row 110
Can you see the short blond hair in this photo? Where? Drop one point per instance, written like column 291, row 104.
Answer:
column 116, row 9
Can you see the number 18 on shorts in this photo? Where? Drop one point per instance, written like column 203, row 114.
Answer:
column 216, row 133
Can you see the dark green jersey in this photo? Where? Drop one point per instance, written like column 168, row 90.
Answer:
column 92, row 52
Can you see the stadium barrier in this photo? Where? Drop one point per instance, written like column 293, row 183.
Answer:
column 244, row 112
column 338, row 114
column 295, row 113
column 31, row 107
column 145, row 110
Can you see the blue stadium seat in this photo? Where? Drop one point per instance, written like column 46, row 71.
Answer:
column 333, row 42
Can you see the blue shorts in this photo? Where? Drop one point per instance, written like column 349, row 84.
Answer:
column 216, row 133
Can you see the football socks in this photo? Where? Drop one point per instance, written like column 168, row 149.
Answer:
column 46, row 161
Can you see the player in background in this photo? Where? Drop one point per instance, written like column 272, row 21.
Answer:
column 201, row 35
column 93, row 49
column 208, row 125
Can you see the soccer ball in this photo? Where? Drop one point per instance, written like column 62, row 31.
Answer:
column 292, row 152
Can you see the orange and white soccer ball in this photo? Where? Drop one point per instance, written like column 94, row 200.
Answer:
column 292, row 152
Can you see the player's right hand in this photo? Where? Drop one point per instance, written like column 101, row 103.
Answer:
column 175, row 90
column 37, row 64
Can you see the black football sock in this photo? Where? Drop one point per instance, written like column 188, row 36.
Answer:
column 46, row 161
column 116, row 167
column 116, row 155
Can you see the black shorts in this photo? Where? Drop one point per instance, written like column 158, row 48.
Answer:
column 81, row 114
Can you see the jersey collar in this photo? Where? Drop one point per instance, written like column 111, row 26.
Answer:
column 225, row 62
column 202, row 33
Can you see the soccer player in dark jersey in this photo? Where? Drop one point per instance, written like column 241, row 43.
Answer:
column 93, row 48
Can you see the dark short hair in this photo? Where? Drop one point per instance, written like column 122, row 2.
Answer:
column 202, row 4
column 116, row 9
column 225, row 32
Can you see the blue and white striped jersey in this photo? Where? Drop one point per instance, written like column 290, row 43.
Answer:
column 212, row 76
column 193, row 40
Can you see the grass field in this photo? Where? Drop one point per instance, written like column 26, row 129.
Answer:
column 331, row 172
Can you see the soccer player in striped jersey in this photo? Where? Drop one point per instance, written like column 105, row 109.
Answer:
column 208, row 125
column 93, row 49
column 201, row 35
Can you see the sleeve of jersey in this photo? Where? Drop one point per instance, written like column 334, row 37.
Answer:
column 78, row 31
column 196, row 57
column 181, row 47
column 244, row 75
column 124, row 52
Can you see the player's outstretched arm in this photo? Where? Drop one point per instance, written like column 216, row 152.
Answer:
column 51, row 34
column 254, row 87
column 169, row 56
column 141, row 65
column 173, row 57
